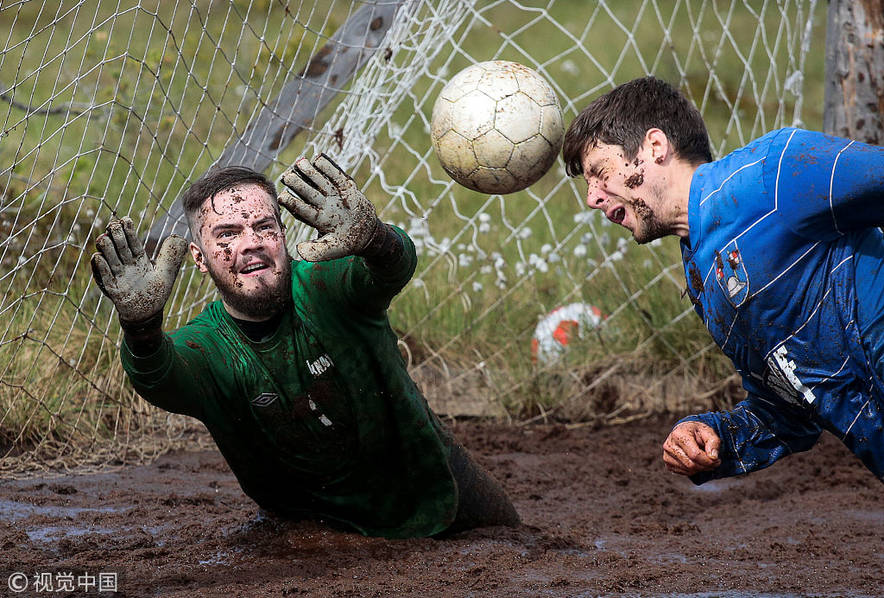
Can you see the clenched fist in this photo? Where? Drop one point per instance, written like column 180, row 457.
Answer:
column 691, row 447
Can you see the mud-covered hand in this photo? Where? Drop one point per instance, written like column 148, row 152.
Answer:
column 325, row 197
column 138, row 287
column 691, row 447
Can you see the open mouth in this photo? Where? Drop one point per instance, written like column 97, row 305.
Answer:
column 617, row 215
column 255, row 268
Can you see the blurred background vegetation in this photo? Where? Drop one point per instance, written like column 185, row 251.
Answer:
column 113, row 107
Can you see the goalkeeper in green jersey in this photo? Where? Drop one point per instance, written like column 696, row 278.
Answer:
column 296, row 372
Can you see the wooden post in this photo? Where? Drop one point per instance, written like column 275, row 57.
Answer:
column 298, row 104
column 854, row 92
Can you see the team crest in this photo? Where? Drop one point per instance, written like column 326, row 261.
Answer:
column 730, row 272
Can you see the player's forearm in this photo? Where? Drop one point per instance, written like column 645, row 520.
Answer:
column 390, row 256
column 385, row 247
column 755, row 434
column 162, row 376
column 143, row 338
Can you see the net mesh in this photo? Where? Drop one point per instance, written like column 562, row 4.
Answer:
column 114, row 107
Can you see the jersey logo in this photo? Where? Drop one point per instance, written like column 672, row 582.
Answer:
column 318, row 366
column 779, row 376
column 264, row 399
column 730, row 272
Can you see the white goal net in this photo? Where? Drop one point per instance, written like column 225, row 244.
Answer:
column 113, row 107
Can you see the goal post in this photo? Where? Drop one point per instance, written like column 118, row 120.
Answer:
column 112, row 108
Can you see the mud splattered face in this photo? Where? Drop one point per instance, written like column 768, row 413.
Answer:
column 241, row 245
column 617, row 186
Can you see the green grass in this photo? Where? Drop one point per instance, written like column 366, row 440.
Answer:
column 144, row 122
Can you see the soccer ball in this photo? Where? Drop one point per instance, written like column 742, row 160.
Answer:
column 497, row 127
column 561, row 326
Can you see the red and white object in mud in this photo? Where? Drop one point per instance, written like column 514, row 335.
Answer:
column 560, row 327
column 497, row 127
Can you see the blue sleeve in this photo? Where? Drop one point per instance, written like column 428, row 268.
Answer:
column 825, row 186
column 754, row 434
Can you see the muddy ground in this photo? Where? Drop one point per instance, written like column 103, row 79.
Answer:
column 601, row 517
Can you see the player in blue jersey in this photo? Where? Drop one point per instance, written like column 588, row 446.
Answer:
column 783, row 260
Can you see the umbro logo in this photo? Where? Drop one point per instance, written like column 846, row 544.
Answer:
column 264, row 399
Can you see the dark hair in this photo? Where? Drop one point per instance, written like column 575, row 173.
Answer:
column 623, row 116
column 217, row 180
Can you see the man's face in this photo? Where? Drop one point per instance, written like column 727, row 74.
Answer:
column 241, row 244
column 617, row 186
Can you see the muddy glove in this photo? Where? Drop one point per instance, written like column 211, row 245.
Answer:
column 138, row 288
column 325, row 197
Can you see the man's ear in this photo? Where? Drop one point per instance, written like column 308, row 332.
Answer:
column 198, row 257
column 657, row 147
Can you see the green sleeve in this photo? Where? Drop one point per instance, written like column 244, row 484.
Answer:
column 362, row 287
column 175, row 377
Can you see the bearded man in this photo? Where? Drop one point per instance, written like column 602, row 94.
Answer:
column 296, row 371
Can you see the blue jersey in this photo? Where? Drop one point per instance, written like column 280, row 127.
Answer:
column 778, row 231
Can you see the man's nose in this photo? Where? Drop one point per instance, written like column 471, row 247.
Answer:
column 253, row 239
column 595, row 196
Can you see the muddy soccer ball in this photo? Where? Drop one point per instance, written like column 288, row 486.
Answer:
column 497, row 127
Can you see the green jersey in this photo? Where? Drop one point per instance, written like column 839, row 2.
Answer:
column 320, row 419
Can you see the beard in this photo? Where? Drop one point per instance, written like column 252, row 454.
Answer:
column 648, row 226
column 262, row 303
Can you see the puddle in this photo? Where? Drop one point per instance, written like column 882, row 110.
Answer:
column 51, row 533
column 874, row 516
column 220, row 558
column 741, row 594
column 13, row 510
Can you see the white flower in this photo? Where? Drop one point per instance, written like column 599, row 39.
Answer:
column 545, row 248
column 570, row 67
column 580, row 251
column 486, row 269
column 484, row 227
column 538, row 262
column 477, row 286
column 553, row 258
column 483, row 217
column 524, row 233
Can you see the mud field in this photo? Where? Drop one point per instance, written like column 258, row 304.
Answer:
column 601, row 518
